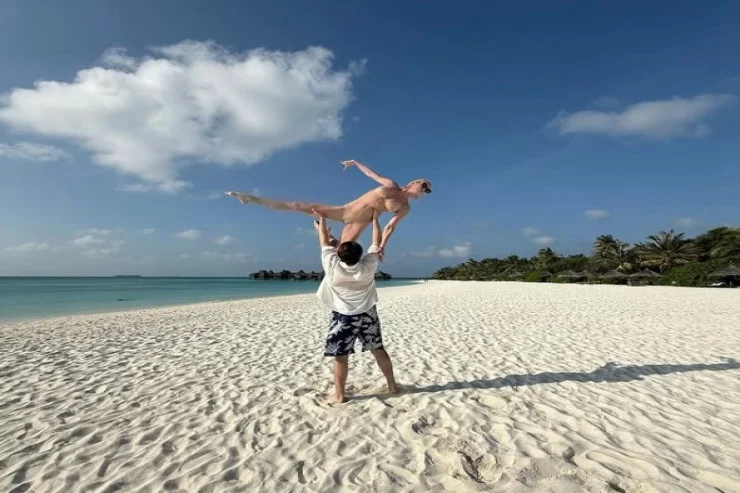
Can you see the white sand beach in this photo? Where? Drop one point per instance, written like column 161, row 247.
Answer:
column 509, row 387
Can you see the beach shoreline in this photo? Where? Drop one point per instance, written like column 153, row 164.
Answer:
column 510, row 387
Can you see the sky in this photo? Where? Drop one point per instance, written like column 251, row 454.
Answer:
column 123, row 123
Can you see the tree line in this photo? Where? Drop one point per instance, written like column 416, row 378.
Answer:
column 679, row 260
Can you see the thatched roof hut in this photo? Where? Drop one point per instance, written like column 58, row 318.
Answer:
column 614, row 274
column 730, row 271
column 645, row 274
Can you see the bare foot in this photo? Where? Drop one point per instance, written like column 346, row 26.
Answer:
column 393, row 389
column 241, row 197
column 339, row 399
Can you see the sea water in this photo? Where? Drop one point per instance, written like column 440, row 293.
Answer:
column 41, row 297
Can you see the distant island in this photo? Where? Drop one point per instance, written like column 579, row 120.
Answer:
column 127, row 275
column 286, row 275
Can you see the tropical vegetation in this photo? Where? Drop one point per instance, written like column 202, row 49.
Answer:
column 667, row 257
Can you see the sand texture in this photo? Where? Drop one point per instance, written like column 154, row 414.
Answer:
column 509, row 387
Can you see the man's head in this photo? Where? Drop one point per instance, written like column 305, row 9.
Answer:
column 350, row 252
column 418, row 188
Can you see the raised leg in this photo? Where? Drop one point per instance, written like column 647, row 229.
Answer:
column 335, row 213
column 352, row 231
column 341, row 369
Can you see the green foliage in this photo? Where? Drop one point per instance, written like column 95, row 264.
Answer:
column 536, row 276
column 693, row 273
column 683, row 262
column 666, row 250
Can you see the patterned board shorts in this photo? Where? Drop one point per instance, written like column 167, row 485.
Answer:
column 344, row 330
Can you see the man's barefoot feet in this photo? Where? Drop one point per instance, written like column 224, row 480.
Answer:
column 339, row 399
column 242, row 197
column 393, row 389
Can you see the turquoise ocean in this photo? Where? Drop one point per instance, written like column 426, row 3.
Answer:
column 42, row 297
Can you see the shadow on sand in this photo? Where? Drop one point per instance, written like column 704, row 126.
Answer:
column 610, row 372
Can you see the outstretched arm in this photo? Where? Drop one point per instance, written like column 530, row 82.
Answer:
column 324, row 240
column 386, row 182
column 391, row 227
column 377, row 232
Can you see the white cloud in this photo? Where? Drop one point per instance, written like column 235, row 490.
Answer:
column 32, row 152
column 215, row 195
column 31, row 246
column 426, row 253
column 461, row 250
column 148, row 231
column 116, row 57
column 655, row 119
column 225, row 240
column 529, row 231
column 687, row 222
column 225, row 257
column 257, row 192
column 147, row 117
column 544, row 240
column 97, row 242
column 185, row 256
column 88, row 240
column 102, row 252
column 596, row 214
column 188, row 234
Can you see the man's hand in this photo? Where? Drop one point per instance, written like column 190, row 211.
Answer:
column 348, row 163
column 380, row 253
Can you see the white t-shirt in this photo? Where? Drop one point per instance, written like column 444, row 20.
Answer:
column 348, row 289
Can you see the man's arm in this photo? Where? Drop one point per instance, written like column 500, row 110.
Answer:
column 391, row 226
column 377, row 232
column 324, row 240
column 386, row 182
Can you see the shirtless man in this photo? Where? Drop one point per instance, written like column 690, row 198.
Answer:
column 358, row 214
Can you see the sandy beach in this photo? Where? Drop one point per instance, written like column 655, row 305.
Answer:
column 508, row 387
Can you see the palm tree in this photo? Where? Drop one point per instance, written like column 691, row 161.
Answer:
column 602, row 245
column 729, row 246
column 666, row 250
column 722, row 242
column 611, row 253
column 545, row 257
column 621, row 256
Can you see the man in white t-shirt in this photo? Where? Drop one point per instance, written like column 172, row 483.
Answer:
column 348, row 288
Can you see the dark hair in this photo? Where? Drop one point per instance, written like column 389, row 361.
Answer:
column 350, row 252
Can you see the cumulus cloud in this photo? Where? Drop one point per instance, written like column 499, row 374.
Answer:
column 687, row 222
column 544, row 240
column 30, row 151
column 188, row 234
column 148, row 117
column 148, row 231
column 654, row 119
column 31, row 246
column 529, row 231
column 459, row 251
column 225, row 240
column 596, row 214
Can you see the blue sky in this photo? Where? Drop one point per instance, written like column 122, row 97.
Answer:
column 525, row 117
